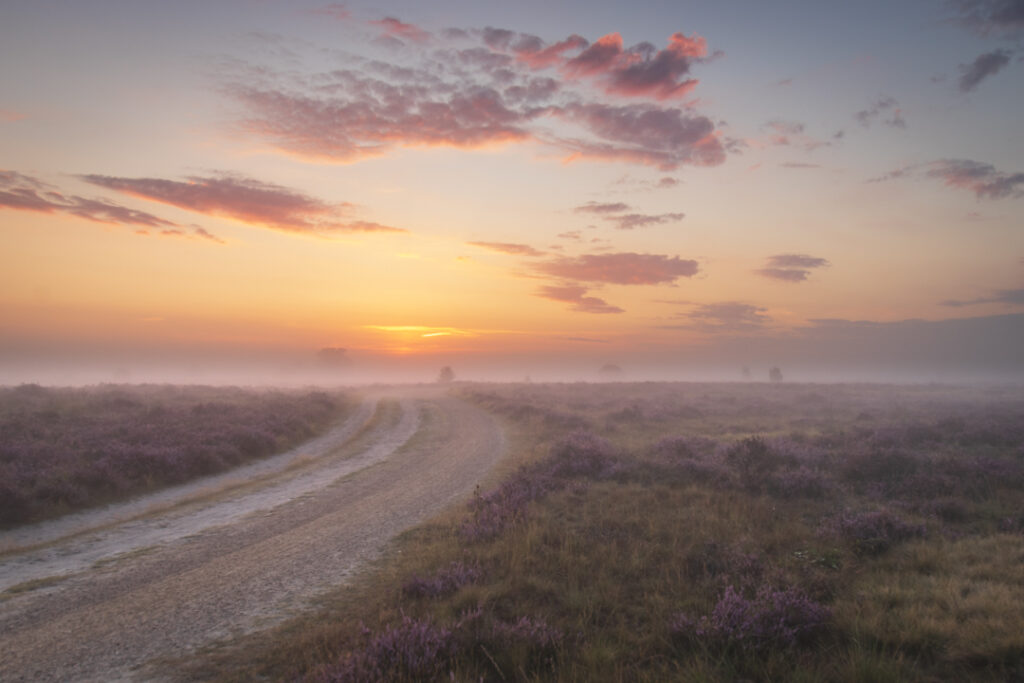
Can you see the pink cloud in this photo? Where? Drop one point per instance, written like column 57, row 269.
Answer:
column 18, row 191
column 982, row 179
column 665, row 138
column 244, row 199
column 631, row 221
column 375, row 116
column 335, row 10
column 576, row 295
column 791, row 267
column 598, row 58
column 508, row 248
column 488, row 95
column 602, row 207
column 10, row 116
column 622, row 268
column 397, row 29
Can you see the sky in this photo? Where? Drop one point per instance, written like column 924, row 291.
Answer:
column 678, row 189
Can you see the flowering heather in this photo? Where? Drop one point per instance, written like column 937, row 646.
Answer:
column 62, row 449
column 753, row 459
column 580, row 454
column 444, row 582
column 802, row 482
column 872, row 533
column 415, row 649
column 772, row 620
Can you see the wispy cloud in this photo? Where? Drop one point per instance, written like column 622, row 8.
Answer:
column 884, row 109
column 724, row 317
column 602, row 208
column 791, row 267
column 983, row 179
column 508, row 248
column 27, row 193
column 621, row 268
column 987, row 64
column 576, row 295
column 1013, row 297
column 397, row 29
column 245, row 199
column 631, row 221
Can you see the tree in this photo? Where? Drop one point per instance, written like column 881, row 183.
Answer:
column 446, row 375
column 775, row 375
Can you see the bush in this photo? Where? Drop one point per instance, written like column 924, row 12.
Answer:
column 772, row 620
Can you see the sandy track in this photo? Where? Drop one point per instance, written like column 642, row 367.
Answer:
column 258, row 568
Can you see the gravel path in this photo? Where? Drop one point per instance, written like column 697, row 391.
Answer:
column 241, row 561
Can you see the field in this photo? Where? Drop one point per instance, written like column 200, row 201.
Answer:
column 63, row 450
column 699, row 532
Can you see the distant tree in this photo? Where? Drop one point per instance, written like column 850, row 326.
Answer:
column 745, row 372
column 446, row 375
column 775, row 375
column 611, row 369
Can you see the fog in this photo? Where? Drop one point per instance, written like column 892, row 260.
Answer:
column 989, row 349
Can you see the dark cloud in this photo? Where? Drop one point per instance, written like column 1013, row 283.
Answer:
column 654, row 136
column 784, row 274
column 667, row 182
column 575, row 235
column 726, row 316
column 641, row 70
column 982, row 179
column 638, row 220
column 508, row 248
column 245, row 199
column 885, row 109
column 1013, row 297
column 1001, row 18
column 18, row 191
column 602, row 207
column 791, row 267
column 985, row 65
column 576, row 295
column 796, row 261
column 622, row 268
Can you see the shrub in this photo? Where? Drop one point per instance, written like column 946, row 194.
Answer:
column 415, row 649
column 872, row 533
column 444, row 582
column 772, row 620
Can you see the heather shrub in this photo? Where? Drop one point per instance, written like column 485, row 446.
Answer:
column 754, row 460
column 444, row 582
column 872, row 533
column 802, row 482
column 581, row 454
column 771, row 620
column 415, row 649
column 887, row 466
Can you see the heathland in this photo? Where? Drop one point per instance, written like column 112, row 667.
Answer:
column 680, row 531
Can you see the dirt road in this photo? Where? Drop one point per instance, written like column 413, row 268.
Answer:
column 107, row 593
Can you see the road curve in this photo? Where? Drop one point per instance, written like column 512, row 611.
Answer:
column 255, row 565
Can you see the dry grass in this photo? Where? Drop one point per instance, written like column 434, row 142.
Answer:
column 615, row 558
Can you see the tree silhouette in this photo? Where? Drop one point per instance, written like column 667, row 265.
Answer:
column 446, row 375
column 775, row 375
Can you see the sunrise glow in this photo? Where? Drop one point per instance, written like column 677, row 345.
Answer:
column 519, row 190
